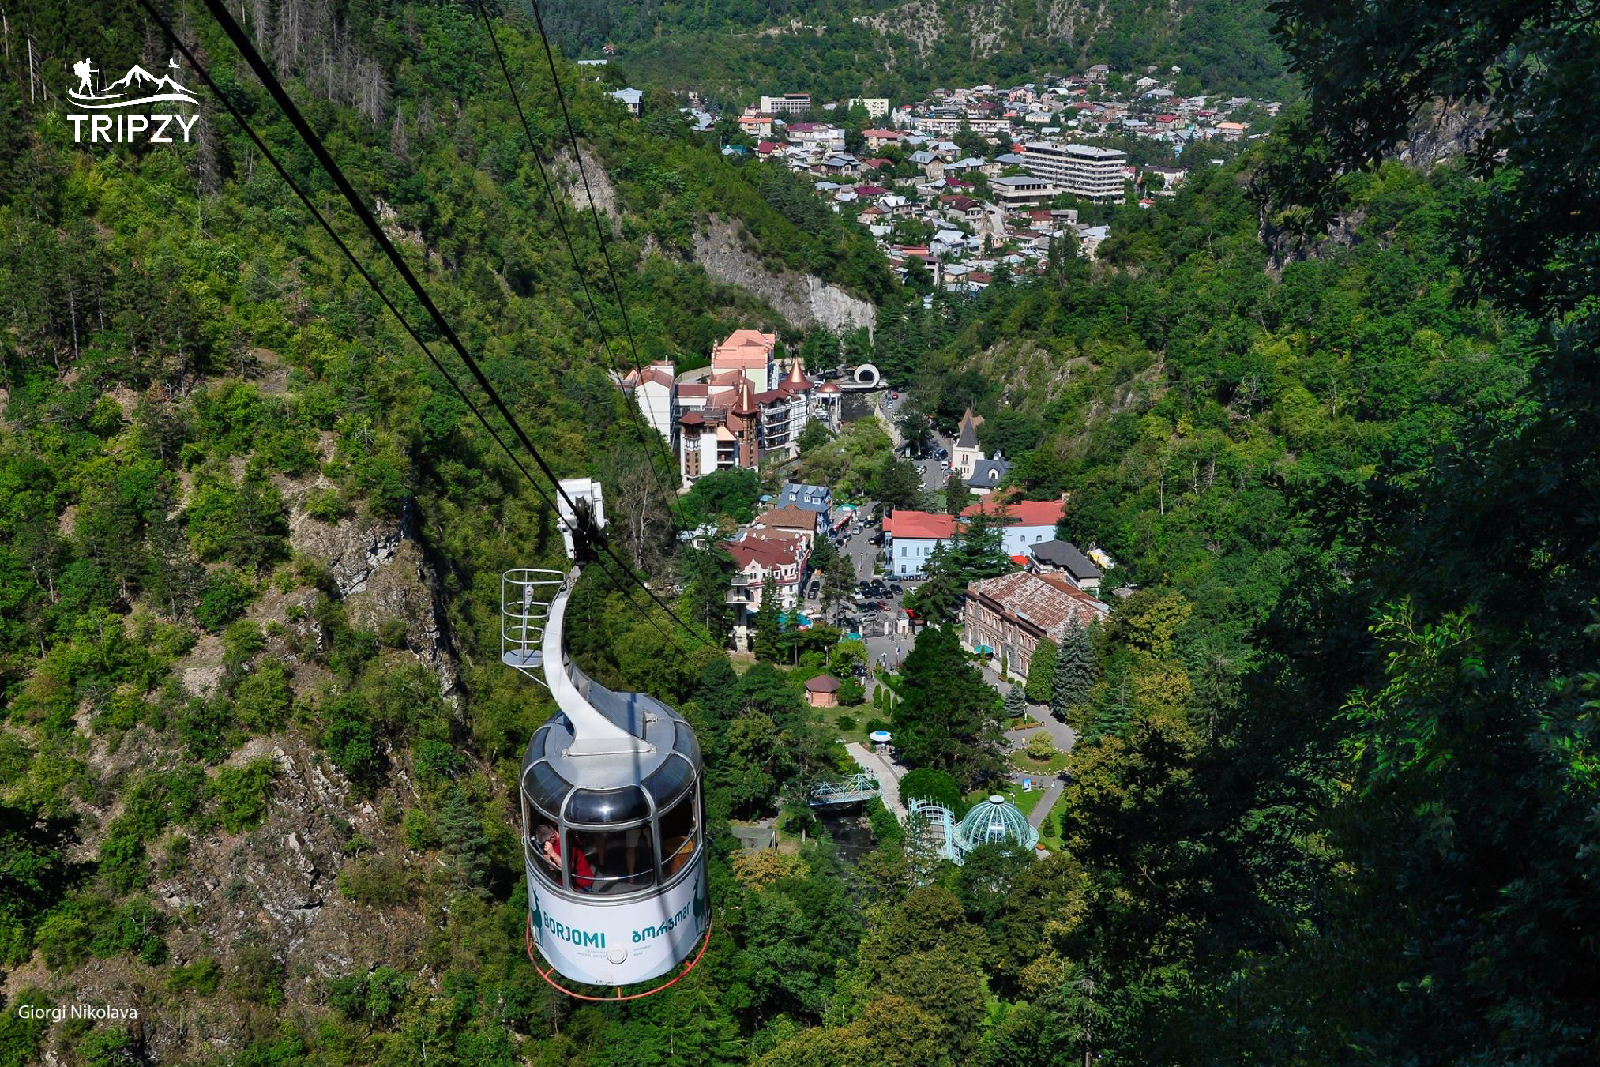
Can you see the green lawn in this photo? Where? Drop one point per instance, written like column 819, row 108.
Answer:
column 1028, row 765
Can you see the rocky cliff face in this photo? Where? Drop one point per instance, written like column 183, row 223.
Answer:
column 275, row 900
column 802, row 299
column 380, row 572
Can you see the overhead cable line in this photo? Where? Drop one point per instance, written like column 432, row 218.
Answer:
column 566, row 237
column 275, row 89
column 316, row 213
column 366, row 276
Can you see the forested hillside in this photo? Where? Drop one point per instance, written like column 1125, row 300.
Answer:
column 837, row 50
column 1335, row 797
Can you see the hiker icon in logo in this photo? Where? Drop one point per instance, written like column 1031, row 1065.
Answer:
column 85, row 72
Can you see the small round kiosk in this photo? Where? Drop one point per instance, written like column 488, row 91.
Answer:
column 612, row 826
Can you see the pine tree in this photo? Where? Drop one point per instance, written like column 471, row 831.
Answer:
column 767, row 629
column 1015, row 706
column 1042, row 672
column 956, row 493
column 1074, row 672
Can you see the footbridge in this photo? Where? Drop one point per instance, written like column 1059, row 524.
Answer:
column 852, row 790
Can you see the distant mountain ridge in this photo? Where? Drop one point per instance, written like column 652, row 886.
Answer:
column 883, row 48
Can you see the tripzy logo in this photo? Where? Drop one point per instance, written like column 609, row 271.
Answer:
column 115, row 121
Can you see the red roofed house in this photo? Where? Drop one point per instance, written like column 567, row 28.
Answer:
column 789, row 521
column 879, row 138
column 1024, row 523
column 910, row 538
column 1006, row 617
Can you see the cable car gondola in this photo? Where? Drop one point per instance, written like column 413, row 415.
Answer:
column 612, row 808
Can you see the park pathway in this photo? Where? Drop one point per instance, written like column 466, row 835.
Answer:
column 886, row 771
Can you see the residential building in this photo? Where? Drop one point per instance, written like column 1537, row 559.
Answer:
column 879, row 138
column 656, row 391
column 1023, row 523
column 1023, row 191
column 787, row 104
column 1063, row 557
column 817, row 499
column 876, row 106
column 816, row 136
column 1006, row 617
column 987, row 475
column 756, row 126
column 751, row 353
column 629, row 98
column 721, row 435
column 1082, row 170
column 910, row 538
column 790, row 521
column 756, row 560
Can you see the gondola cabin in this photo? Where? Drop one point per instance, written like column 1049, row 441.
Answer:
column 612, row 810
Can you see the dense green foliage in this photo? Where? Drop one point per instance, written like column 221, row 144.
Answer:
column 1334, row 802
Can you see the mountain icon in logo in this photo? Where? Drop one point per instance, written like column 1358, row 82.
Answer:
column 133, row 89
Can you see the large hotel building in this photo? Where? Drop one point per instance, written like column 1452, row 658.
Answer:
column 1082, row 170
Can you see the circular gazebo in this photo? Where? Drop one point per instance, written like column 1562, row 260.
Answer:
column 994, row 821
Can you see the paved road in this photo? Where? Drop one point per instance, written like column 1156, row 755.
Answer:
column 863, row 553
column 885, row 770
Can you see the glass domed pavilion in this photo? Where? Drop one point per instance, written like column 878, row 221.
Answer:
column 991, row 822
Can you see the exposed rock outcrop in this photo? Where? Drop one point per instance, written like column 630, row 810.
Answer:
column 571, row 181
column 379, row 570
column 803, row 299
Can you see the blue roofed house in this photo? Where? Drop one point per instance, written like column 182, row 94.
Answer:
column 817, row 498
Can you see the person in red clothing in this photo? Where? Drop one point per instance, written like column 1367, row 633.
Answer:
column 550, row 850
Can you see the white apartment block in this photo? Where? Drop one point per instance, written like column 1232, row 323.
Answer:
column 1082, row 170
column 787, row 104
column 876, row 106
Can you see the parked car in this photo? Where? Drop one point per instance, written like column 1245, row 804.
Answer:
column 894, row 587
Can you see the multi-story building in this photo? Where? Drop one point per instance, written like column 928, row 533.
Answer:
column 1082, row 170
column 1021, row 191
column 787, row 104
column 818, row 137
column 757, row 560
column 789, row 521
column 1005, row 618
column 721, row 435
column 876, row 106
column 817, row 499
